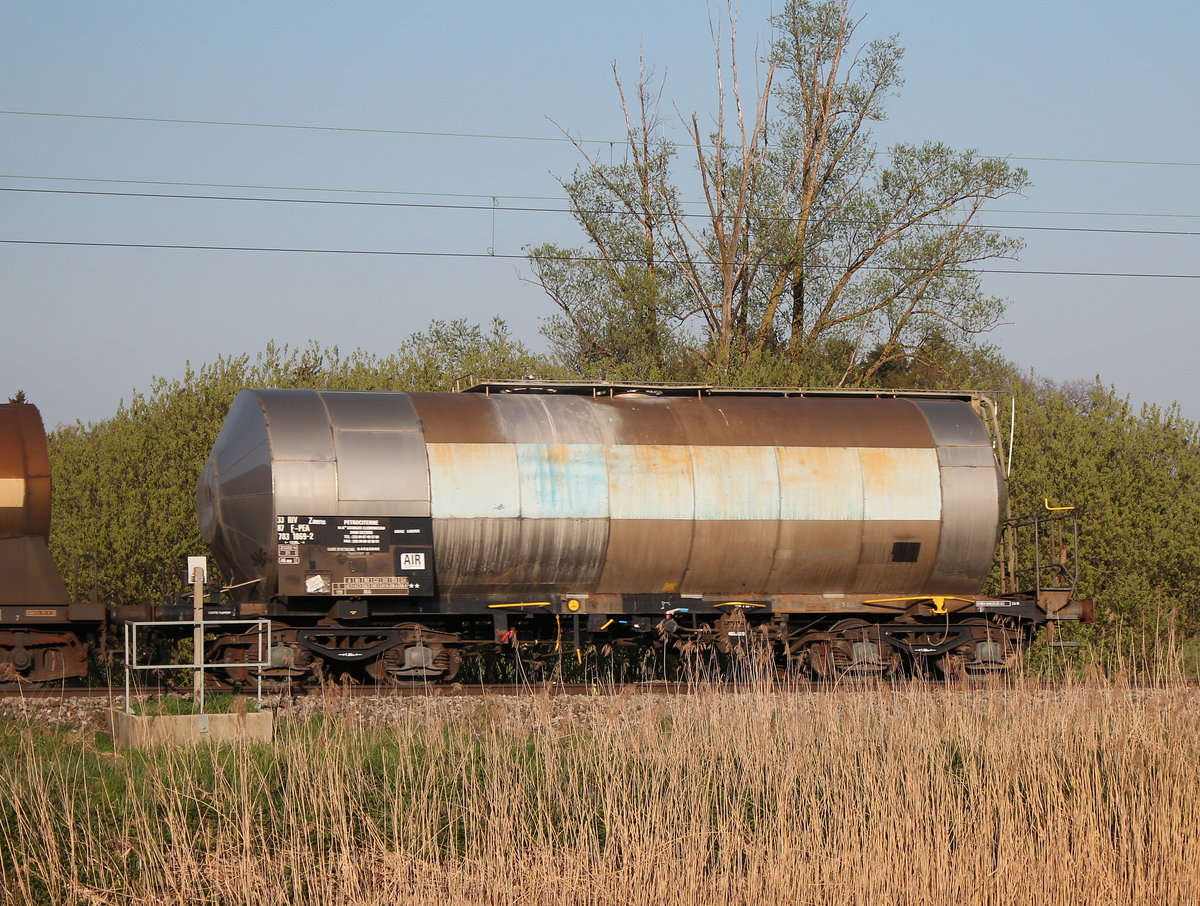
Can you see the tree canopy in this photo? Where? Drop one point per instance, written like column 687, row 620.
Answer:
column 814, row 257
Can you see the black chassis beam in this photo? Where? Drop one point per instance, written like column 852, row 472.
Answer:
column 953, row 637
column 385, row 638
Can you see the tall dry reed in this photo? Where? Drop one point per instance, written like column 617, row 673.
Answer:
column 886, row 795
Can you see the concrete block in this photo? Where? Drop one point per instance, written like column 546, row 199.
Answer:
column 146, row 730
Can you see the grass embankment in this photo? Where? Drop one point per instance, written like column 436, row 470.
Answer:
column 918, row 795
column 174, row 705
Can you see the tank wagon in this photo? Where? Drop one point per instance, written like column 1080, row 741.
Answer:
column 386, row 533
column 42, row 632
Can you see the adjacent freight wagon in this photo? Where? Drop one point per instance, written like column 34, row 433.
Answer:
column 843, row 532
column 42, row 632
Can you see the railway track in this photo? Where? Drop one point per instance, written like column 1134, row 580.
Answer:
column 421, row 689
column 431, row 690
column 92, row 708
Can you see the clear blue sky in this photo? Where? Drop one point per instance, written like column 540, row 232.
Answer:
column 1052, row 85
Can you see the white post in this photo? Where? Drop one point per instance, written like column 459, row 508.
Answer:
column 197, row 567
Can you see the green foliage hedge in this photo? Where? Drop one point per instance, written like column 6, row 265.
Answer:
column 1135, row 478
column 124, row 487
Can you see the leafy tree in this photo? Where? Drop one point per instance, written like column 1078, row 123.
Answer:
column 1134, row 477
column 124, row 487
column 812, row 249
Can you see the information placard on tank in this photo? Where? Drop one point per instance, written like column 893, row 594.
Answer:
column 353, row 534
column 355, row 555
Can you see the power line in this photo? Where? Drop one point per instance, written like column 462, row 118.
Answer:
column 412, row 254
column 370, row 131
column 312, row 201
column 429, row 133
column 225, row 185
column 504, row 195
column 526, row 210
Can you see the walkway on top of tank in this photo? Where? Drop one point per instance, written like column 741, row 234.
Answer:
column 531, row 384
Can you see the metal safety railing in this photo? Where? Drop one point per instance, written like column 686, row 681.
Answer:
column 262, row 633
column 1040, row 551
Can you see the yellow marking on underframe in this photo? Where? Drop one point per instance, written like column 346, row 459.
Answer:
column 939, row 601
column 606, row 625
column 521, row 604
column 739, row 604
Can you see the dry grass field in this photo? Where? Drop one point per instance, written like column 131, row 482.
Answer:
column 908, row 795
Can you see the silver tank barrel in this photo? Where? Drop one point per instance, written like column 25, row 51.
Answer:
column 323, row 492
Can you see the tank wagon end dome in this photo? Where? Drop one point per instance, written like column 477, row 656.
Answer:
column 28, row 574
column 24, row 473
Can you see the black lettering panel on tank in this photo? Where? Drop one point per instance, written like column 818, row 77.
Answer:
column 353, row 556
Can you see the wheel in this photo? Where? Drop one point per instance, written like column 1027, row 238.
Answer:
column 31, row 658
column 421, row 660
column 989, row 650
column 234, row 659
column 854, row 648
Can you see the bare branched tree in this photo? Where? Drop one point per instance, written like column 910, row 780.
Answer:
column 814, row 250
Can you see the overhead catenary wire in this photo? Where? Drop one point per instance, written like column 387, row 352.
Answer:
column 559, row 139
column 269, row 188
column 496, row 206
column 492, row 201
column 485, row 255
column 508, row 195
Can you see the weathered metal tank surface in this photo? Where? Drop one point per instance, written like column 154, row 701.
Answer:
column 27, row 572
column 24, row 472
column 39, row 626
column 577, row 492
